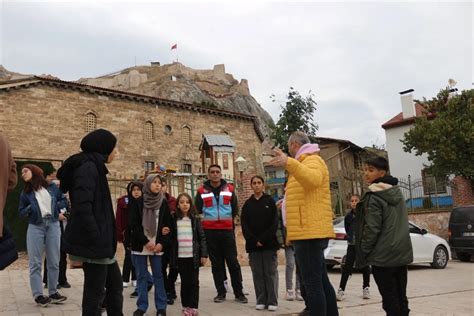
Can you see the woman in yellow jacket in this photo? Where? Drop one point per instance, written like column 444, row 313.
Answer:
column 309, row 219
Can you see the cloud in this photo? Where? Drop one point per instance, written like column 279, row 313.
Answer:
column 355, row 57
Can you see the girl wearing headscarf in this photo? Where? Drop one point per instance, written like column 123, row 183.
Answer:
column 146, row 223
column 90, row 235
column 40, row 202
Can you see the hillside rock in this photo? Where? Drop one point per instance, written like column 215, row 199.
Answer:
column 210, row 87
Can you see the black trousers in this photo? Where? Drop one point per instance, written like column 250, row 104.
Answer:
column 222, row 248
column 128, row 266
column 189, row 282
column 349, row 266
column 102, row 281
column 169, row 278
column 392, row 284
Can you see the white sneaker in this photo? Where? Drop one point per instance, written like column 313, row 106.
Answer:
column 340, row 295
column 260, row 307
column 125, row 285
column 245, row 292
column 272, row 308
column 365, row 293
column 298, row 296
column 134, row 283
column 290, row 295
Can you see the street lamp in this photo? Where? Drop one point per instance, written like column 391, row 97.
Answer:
column 241, row 166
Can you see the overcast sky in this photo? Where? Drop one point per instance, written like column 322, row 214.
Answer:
column 355, row 57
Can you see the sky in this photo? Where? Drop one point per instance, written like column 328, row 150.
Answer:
column 355, row 57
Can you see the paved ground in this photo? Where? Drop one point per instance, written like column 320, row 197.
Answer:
column 431, row 292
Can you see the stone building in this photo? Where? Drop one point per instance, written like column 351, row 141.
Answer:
column 45, row 119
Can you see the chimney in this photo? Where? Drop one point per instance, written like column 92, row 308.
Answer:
column 408, row 106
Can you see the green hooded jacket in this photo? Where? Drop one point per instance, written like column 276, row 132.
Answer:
column 382, row 232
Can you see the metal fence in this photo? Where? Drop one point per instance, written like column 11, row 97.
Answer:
column 429, row 193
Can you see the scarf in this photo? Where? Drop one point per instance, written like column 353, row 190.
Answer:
column 151, row 203
column 307, row 149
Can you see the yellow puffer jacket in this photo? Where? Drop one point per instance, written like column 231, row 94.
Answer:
column 308, row 199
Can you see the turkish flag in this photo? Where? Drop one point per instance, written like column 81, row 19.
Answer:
column 175, row 46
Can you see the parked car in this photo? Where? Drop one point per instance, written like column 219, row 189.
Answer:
column 427, row 248
column 461, row 232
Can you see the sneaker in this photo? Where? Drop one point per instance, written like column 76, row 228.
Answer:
column 241, row 299
column 170, row 301
column 125, row 285
column 187, row 311
column 298, row 296
column 64, row 285
column 260, row 307
column 365, row 293
column 57, row 298
column 42, row 300
column 304, row 312
column 138, row 312
column 245, row 292
column 340, row 295
column 161, row 312
column 219, row 298
column 134, row 293
column 134, row 283
column 194, row 311
column 290, row 295
column 272, row 308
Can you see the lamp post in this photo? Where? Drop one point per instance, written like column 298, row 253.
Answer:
column 241, row 166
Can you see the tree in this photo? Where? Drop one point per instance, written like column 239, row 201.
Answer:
column 446, row 134
column 296, row 115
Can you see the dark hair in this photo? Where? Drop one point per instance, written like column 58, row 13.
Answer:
column 37, row 178
column 258, row 177
column 213, row 166
column 379, row 163
column 178, row 212
column 356, row 195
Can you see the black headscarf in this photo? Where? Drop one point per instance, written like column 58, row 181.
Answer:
column 99, row 141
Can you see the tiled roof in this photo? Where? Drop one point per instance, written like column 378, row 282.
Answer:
column 398, row 119
column 323, row 140
column 219, row 140
column 36, row 80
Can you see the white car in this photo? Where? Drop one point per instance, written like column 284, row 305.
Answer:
column 427, row 248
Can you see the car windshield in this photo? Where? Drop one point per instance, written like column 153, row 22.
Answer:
column 338, row 222
column 462, row 215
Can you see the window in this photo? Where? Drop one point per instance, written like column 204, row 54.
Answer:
column 225, row 161
column 148, row 130
column 149, row 166
column 186, row 135
column 91, row 122
column 432, row 184
column 187, row 168
column 168, row 129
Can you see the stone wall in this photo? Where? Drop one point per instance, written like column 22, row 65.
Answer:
column 48, row 122
column 434, row 222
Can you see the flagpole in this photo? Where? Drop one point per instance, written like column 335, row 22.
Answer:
column 177, row 57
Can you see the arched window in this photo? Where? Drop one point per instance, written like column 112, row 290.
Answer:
column 91, row 122
column 148, row 130
column 186, row 135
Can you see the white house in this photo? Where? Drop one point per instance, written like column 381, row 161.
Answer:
column 411, row 169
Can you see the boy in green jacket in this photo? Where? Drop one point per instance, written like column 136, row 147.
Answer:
column 382, row 236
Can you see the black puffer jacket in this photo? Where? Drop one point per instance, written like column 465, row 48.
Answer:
column 137, row 236
column 90, row 232
column 199, row 242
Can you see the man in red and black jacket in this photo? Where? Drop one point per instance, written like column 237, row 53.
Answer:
column 217, row 202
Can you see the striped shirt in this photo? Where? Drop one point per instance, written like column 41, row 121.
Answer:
column 185, row 238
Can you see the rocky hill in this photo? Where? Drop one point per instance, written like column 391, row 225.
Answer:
column 210, row 88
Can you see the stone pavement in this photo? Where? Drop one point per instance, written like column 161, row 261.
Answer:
column 431, row 292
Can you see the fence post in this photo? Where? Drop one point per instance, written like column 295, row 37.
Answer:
column 436, row 193
column 192, row 185
column 409, row 190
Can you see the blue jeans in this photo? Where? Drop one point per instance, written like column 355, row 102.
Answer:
column 46, row 236
column 320, row 295
column 142, row 282
column 149, row 277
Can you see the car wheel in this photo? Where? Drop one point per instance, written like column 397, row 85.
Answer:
column 440, row 258
column 330, row 266
column 464, row 257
